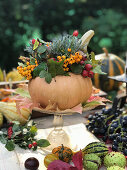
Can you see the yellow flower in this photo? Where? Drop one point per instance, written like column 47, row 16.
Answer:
column 69, row 49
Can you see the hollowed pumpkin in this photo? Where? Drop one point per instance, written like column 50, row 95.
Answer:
column 65, row 91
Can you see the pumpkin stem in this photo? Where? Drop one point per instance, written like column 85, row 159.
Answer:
column 105, row 51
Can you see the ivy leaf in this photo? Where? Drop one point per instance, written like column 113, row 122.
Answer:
column 36, row 44
column 41, row 49
column 43, row 143
column 42, row 74
column 59, row 68
column 76, row 68
column 10, row 145
column 39, row 68
column 55, row 68
column 98, row 70
column 48, row 78
column 51, row 67
column 3, row 139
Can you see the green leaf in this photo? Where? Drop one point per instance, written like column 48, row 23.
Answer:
column 43, row 143
column 10, row 145
column 15, row 128
column 42, row 74
column 41, row 49
column 33, row 129
column 59, row 68
column 3, row 139
column 51, row 67
column 36, row 44
column 21, row 64
column 32, row 60
column 48, row 78
column 55, row 68
column 76, row 68
column 94, row 61
column 98, row 70
column 39, row 68
column 22, row 92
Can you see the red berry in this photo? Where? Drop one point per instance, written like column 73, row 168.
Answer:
column 30, row 146
column 84, row 58
column 90, row 74
column 34, row 143
column 85, row 73
column 88, row 67
column 75, row 33
column 82, row 62
column 33, row 41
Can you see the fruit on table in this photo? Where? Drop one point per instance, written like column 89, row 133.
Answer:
column 64, row 153
column 115, row 158
column 113, row 66
column 91, row 161
column 50, row 158
column 99, row 122
column 14, row 76
column 118, row 135
column 65, row 91
column 10, row 112
column 115, row 168
column 32, row 163
column 99, row 148
column 1, row 119
column 1, row 75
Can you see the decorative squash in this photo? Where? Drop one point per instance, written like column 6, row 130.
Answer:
column 65, row 91
column 99, row 148
column 64, row 153
column 113, row 66
column 1, row 119
column 50, row 158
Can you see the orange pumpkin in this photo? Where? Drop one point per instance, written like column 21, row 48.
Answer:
column 64, row 153
column 65, row 91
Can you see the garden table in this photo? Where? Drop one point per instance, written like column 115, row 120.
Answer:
column 73, row 125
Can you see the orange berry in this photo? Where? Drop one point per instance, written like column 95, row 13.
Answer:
column 27, row 63
column 69, row 49
column 24, row 68
column 28, row 67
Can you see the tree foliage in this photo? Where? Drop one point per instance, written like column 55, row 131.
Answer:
column 22, row 20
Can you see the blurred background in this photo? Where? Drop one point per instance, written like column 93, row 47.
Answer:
column 22, row 20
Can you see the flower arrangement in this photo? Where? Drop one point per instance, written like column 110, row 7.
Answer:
column 59, row 57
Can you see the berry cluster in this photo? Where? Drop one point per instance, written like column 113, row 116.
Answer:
column 32, row 145
column 99, row 122
column 110, row 126
column 27, row 70
column 87, row 71
column 117, row 133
